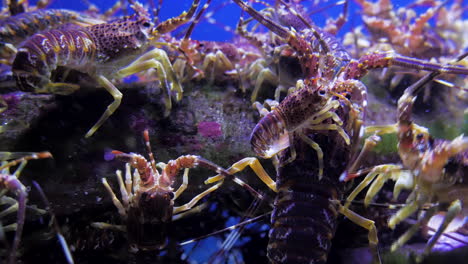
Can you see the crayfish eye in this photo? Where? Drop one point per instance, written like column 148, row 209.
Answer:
column 322, row 92
column 146, row 24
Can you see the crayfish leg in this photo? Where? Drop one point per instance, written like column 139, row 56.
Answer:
column 195, row 199
column 10, row 209
column 453, row 210
column 317, row 149
column 157, row 59
column 116, row 94
column 184, row 184
column 413, row 229
column 367, row 224
column 61, row 88
column 255, row 165
column 194, row 210
column 12, row 183
column 403, row 213
column 115, row 200
column 265, row 75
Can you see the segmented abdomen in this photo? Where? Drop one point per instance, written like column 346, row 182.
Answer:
column 304, row 219
column 17, row 28
column 148, row 220
column 42, row 53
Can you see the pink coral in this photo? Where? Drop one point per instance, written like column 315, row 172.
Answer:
column 210, row 129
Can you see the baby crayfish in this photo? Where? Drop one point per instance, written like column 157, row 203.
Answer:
column 148, row 196
column 9, row 182
column 105, row 51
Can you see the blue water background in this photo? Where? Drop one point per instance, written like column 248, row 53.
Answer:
column 226, row 13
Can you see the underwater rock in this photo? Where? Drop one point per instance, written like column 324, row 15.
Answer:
column 22, row 112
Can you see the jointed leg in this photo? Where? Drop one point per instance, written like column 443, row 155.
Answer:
column 381, row 130
column 104, row 82
column 453, row 210
column 10, row 228
column 369, row 144
column 403, row 213
column 414, row 228
column 214, row 65
column 11, row 209
column 361, row 221
column 127, row 196
column 383, row 171
column 128, row 181
column 263, row 110
column 265, row 75
column 184, row 184
column 21, row 161
column 280, row 88
column 60, row 88
column 404, row 180
column 339, row 129
column 157, row 59
column 194, row 210
column 377, row 185
column 12, row 183
column 122, row 187
column 115, row 200
column 334, row 25
column 254, row 165
column 325, row 113
column 195, row 199
column 365, row 223
column 319, row 151
column 319, row 119
column 136, row 181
